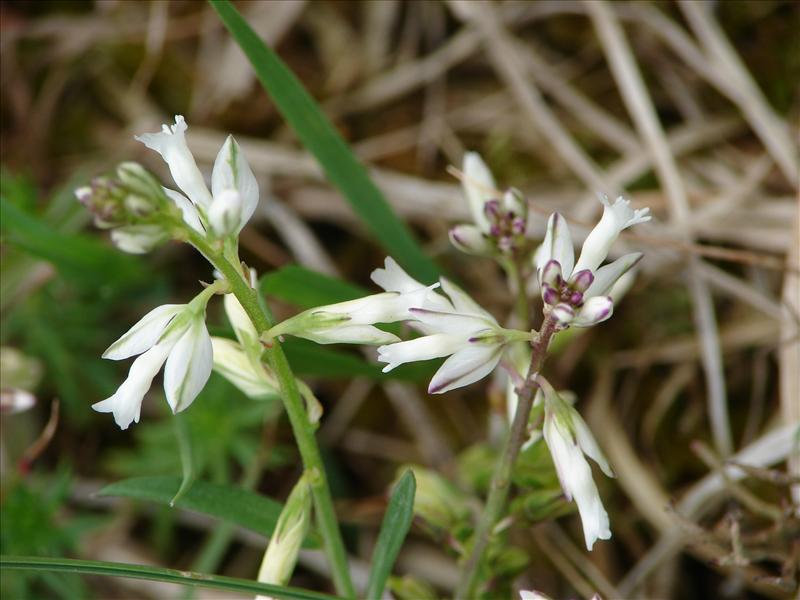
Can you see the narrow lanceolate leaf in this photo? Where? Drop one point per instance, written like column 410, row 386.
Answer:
column 394, row 528
column 236, row 505
column 112, row 569
column 320, row 137
column 187, row 457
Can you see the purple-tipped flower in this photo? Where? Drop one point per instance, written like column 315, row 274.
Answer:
column 579, row 292
column 499, row 223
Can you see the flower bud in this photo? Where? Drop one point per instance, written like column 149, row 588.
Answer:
column 139, row 182
column 138, row 239
column 225, row 213
column 470, row 239
column 284, row 546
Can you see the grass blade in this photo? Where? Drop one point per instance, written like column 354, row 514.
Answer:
column 394, row 528
column 321, row 139
column 111, row 569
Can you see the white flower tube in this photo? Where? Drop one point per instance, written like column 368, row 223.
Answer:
column 616, row 217
column 569, row 438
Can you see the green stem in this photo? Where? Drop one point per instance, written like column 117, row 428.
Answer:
column 294, row 405
column 501, row 481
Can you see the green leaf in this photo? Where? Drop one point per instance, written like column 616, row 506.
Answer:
column 310, row 359
column 112, row 569
column 394, row 528
column 184, row 438
column 320, row 137
column 236, row 505
column 79, row 257
column 306, row 288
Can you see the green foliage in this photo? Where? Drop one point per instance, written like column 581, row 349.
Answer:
column 394, row 528
column 222, row 425
column 30, row 525
column 319, row 136
column 236, row 505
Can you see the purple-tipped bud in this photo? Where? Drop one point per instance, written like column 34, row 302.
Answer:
column 575, row 298
column 549, row 295
column 494, row 230
column 492, row 208
column 564, row 313
column 505, row 244
column 581, row 280
column 518, row 226
column 551, row 274
column 84, row 194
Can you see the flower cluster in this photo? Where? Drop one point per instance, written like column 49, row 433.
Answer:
column 577, row 293
column 449, row 323
column 500, row 220
column 142, row 214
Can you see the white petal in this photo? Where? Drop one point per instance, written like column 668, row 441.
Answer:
column 616, row 217
column 144, row 333
column 605, row 277
column 170, row 143
column 479, row 187
column 457, row 324
column 188, row 210
column 466, row 366
column 470, row 239
column 138, row 239
column 232, row 172
column 126, row 403
column 622, row 286
column 188, row 366
column 241, row 323
column 594, row 310
column 349, row 334
column 233, row 364
column 557, row 246
column 462, row 301
column 225, row 213
column 392, row 278
column 423, row 348
column 588, row 444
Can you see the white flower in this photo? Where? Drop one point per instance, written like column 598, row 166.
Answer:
column 225, row 213
column 175, row 334
column 569, row 438
column 460, row 329
column 579, row 293
column 500, row 224
column 350, row 322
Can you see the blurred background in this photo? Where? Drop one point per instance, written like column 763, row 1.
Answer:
column 700, row 362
